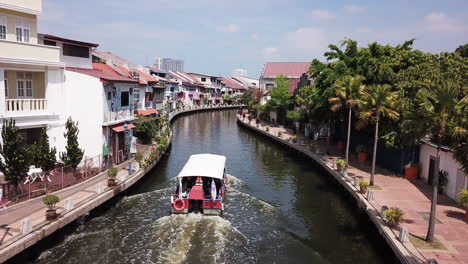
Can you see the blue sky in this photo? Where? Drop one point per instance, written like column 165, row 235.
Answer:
column 216, row 36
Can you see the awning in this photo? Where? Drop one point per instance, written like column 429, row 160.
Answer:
column 121, row 128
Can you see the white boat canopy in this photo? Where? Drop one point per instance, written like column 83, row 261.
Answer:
column 204, row 165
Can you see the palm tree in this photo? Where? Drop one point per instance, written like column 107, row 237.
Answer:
column 377, row 101
column 347, row 91
column 438, row 104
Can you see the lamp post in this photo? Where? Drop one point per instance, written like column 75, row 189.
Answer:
column 129, row 133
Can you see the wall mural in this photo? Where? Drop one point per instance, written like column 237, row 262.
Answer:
column 119, row 112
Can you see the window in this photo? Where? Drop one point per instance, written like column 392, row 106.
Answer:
column 75, row 51
column 203, row 79
column 124, row 98
column 50, row 42
column 269, row 86
column 24, row 85
column 23, row 29
column 3, row 27
column 6, row 88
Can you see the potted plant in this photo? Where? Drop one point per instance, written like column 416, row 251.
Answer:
column 361, row 153
column 393, row 216
column 250, row 118
column 363, row 185
column 340, row 164
column 257, row 121
column 280, row 133
column 294, row 139
column 51, row 200
column 411, row 171
column 138, row 157
column 112, row 173
column 463, row 200
column 443, row 180
column 267, row 128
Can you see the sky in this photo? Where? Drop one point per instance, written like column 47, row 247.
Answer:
column 217, row 36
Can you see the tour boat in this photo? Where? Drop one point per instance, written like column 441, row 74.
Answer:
column 201, row 186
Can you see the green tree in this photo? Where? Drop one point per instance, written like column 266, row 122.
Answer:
column 462, row 50
column 459, row 133
column 42, row 155
column 146, row 129
column 280, row 96
column 347, row 92
column 377, row 101
column 73, row 154
column 438, row 104
column 14, row 157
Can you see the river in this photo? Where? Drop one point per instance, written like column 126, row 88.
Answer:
column 279, row 209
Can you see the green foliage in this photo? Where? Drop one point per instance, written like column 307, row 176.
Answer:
column 348, row 89
column 463, row 198
column 377, row 101
column 267, row 128
column 293, row 116
column 14, row 157
column 146, row 129
column 73, row 154
column 41, row 154
column 462, row 50
column 294, row 139
column 228, row 99
column 361, row 148
column 280, row 98
column 138, row 157
column 393, row 216
column 280, row 133
column 443, row 180
column 363, row 184
column 112, row 172
column 50, row 200
column 340, row 164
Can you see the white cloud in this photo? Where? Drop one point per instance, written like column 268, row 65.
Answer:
column 255, row 36
column 323, row 14
column 269, row 52
column 363, row 30
column 307, row 39
column 354, row 9
column 438, row 21
column 231, row 28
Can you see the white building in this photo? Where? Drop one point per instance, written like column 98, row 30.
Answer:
column 168, row 64
column 457, row 179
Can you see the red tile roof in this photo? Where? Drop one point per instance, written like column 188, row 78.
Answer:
column 103, row 75
column 121, row 128
column 105, row 68
column 146, row 77
column 289, row 69
column 293, row 85
column 231, row 83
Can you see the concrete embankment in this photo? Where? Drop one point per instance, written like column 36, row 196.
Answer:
column 401, row 251
column 97, row 196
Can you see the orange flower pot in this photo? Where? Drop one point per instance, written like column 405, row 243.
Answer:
column 411, row 173
column 362, row 156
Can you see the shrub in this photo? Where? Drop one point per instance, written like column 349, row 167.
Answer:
column 340, row 164
column 280, row 133
column 363, row 184
column 51, row 200
column 393, row 216
column 361, row 148
column 146, row 129
column 267, row 128
column 112, row 172
column 294, row 139
column 139, row 157
column 463, row 198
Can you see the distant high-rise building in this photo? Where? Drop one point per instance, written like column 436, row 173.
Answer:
column 239, row 73
column 168, row 64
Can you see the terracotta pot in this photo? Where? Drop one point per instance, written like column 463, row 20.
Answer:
column 51, row 215
column 362, row 156
column 363, row 190
column 340, row 145
column 411, row 173
column 111, row 182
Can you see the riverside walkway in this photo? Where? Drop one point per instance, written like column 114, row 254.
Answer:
column 413, row 197
column 85, row 196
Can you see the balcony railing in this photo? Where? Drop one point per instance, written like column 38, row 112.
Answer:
column 26, row 105
column 28, row 53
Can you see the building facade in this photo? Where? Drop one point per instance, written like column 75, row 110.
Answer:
column 168, row 64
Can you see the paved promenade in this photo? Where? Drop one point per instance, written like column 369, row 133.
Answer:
column 411, row 196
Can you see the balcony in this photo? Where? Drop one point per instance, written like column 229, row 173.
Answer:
column 29, row 54
column 26, row 6
column 21, row 106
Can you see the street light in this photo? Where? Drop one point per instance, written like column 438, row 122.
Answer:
column 129, row 133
